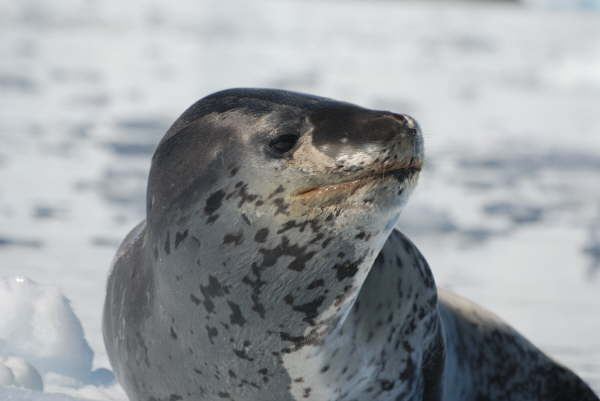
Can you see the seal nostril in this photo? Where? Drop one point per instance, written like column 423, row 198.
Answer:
column 400, row 117
column 409, row 123
column 283, row 143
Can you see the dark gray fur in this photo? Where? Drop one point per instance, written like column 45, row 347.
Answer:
column 234, row 289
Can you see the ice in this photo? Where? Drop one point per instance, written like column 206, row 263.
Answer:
column 41, row 337
column 39, row 325
column 16, row 394
column 15, row 371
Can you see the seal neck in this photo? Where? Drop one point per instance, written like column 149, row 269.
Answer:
column 389, row 333
column 359, row 306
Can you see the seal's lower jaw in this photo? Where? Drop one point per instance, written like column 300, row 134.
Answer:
column 366, row 187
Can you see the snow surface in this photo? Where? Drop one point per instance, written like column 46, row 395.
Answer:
column 39, row 325
column 42, row 340
column 16, row 394
column 17, row 372
column 507, row 211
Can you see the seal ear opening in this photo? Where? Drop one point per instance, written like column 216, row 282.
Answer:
column 282, row 144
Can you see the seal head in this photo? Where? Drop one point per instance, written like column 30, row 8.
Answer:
column 303, row 150
column 266, row 210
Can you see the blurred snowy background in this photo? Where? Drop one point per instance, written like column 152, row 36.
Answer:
column 508, row 95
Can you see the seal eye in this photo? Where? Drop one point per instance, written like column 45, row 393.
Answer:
column 283, row 144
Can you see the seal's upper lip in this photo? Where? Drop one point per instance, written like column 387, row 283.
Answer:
column 399, row 171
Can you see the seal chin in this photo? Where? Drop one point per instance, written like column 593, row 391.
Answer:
column 362, row 183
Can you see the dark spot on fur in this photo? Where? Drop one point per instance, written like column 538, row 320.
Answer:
column 246, row 219
column 242, row 193
column 343, row 296
column 214, row 201
column 256, row 284
column 261, row 235
column 235, row 239
column 212, row 333
column 168, row 243
column 299, row 341
column 195, row 299
column 240, row 353
column 314, row 225
column 278, row 190
column 301, row 256
column 180, row 237
column 281, row 206
column 315, row 284
column 310, row 309
column 236, row 316
column 346, row 270
column 212, row 290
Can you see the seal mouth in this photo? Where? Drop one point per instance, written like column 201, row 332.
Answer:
column 333, row 191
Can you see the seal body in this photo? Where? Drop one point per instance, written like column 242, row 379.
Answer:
column 268, row 268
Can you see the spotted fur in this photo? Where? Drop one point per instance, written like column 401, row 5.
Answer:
column 268, row 268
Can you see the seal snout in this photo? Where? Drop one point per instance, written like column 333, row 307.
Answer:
column 366, row 151
column 364, row 137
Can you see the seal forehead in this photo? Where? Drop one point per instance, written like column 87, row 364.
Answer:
column 251, row 101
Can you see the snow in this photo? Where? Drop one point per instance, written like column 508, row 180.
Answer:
column 39, row 325
column 507, row 211
column 15, row 371
column 41, row 337
column 16, row 394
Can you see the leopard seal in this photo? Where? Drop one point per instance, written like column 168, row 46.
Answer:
column 268, row 268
